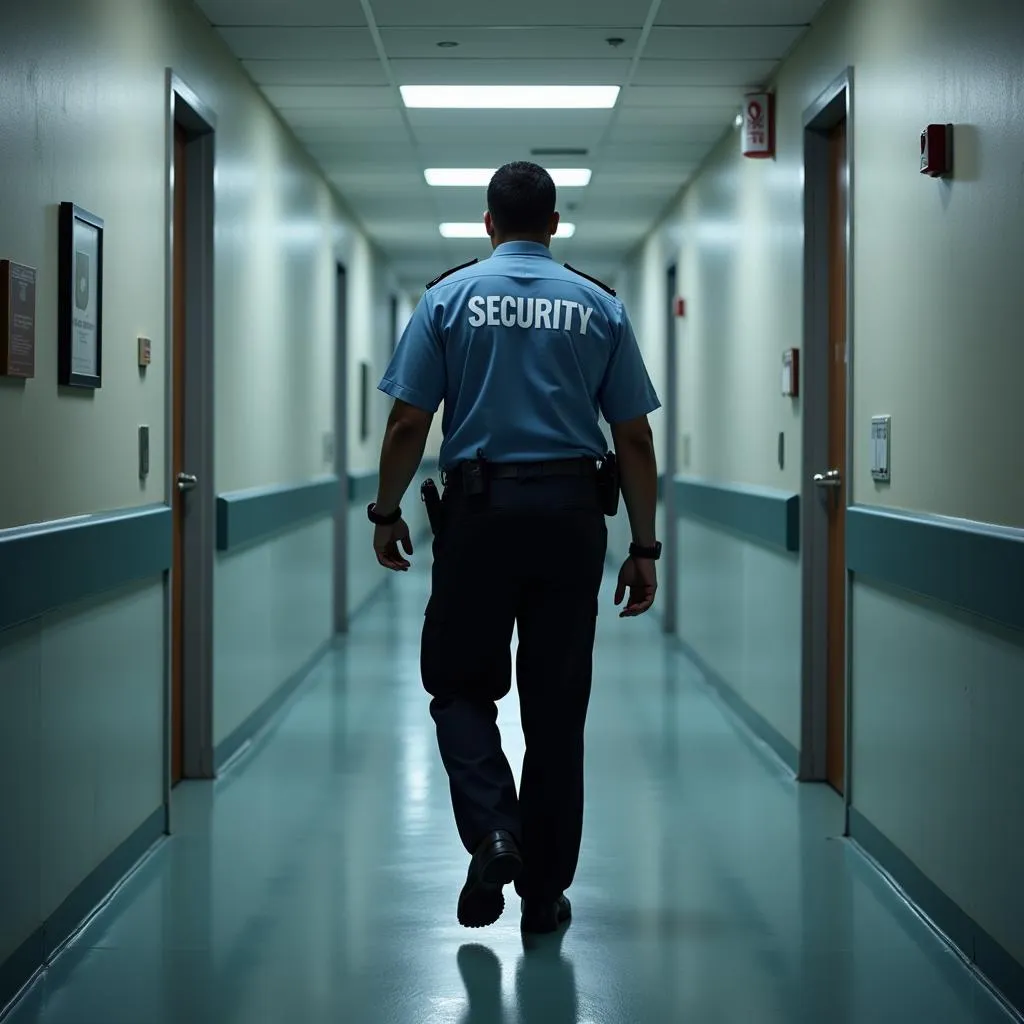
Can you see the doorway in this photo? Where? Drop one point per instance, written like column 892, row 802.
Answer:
column 826, row 491
column 190, row 483
column 341, row 452
column 671, row 528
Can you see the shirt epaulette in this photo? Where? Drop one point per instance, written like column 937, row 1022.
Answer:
column 448, row 273
column 593, row 280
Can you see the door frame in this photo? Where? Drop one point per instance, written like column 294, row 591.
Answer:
column 832, row 106
column 186, row 109
column 671, row 467
column 341, row 402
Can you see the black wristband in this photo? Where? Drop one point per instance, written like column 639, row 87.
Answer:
column 378, row 520
column 652, row 554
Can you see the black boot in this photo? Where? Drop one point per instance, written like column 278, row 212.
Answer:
column 497, row 862
column 541, row 917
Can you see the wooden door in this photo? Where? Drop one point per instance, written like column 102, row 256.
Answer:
column 178, row 454
column 837, row 397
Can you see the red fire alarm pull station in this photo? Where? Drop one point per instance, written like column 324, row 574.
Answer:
column 680, row 307
column 759, row 126
column 937, row 150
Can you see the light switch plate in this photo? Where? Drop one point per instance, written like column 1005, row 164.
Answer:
column 881, row 445
column 328, row 447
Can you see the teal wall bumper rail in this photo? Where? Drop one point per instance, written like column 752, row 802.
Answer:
column 252, row 515
column 976, row 567
column 987, row 955
column 362, row 487
column 762, row 514
column 58, row 563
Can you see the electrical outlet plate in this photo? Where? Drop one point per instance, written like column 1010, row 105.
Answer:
column 881, row 441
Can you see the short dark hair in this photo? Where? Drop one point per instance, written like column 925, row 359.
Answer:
column 521, row 199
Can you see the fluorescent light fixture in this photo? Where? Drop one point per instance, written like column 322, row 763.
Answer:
column 476, row 229
column 511, row 97
column 480, row 177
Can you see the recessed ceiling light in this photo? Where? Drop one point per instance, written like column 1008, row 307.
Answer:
column 476, row 229
column 739, row 121
column 480, row 177
column 511, row 97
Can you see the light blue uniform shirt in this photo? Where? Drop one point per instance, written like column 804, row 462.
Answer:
column 524, row 354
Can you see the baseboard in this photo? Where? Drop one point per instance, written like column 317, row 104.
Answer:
column 34, row 954
column 267, row 711
column 755, row 722
column 998, row 967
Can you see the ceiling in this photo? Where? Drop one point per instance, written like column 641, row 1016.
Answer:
column 332, row 69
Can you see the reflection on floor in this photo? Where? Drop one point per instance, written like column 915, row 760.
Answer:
column 316, row 882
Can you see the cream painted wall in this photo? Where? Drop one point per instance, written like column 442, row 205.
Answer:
column 82, row 117
column 936, row 312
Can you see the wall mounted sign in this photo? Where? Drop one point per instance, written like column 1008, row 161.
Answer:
column 17, row 320
column 80, row 299
column 759, row 126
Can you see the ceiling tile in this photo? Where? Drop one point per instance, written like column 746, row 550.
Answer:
column 722, row 43
column 283, row 12
column 364, row 108
column 671, row 151
column 316, row 72
column 511, row 43
column 528, row 71
column 699, row 97
column 367, row 155
column 391, row 13
column 710, row 116
column 737, row 12
column 329, row 97
column 666, row 130
column 746, row 73
column 359, row 180
column 473, row 122
column 300, row 43
column 642, row 176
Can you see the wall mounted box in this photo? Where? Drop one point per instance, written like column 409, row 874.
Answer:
column 937, row 150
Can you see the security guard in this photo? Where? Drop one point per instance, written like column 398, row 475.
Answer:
column 524, row 354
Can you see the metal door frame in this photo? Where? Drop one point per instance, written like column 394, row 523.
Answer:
column 671, row 540
column 341, row 396
column 186, row 109
column 831, row 107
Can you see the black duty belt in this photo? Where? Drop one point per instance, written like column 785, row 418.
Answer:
column 533, row 470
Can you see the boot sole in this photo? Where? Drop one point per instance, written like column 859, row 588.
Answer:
column 482, row 902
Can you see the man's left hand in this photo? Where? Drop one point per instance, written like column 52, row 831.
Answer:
column 386, row 540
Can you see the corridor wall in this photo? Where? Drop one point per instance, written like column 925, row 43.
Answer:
column 85, row 545
column 937, row 557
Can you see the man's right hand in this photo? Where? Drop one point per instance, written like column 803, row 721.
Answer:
column 640, row 577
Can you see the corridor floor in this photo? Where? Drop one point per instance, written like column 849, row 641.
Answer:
column 316, row 881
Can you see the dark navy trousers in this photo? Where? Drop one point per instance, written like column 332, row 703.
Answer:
column 530, row 553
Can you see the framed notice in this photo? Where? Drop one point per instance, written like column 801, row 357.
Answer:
column 80, row 299
column 17, row 320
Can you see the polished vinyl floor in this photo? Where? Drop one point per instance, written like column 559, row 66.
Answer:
column 316, row 881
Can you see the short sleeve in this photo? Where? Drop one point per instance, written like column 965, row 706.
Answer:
column 626, row 392
column 416, row 374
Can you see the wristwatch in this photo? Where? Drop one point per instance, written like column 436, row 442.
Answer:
column 653, row 554
column 378, row 520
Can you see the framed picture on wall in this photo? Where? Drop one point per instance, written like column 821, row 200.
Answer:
column 364, row 401
column 80, row 298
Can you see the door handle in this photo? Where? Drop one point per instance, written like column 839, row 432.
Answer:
column 833, row 478
column 186, row 482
